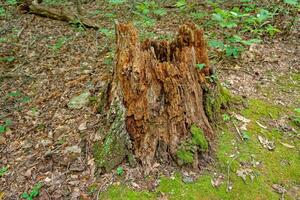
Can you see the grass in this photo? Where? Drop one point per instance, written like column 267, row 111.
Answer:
column 280, row 166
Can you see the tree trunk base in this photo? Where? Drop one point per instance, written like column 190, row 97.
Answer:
column 159, row 105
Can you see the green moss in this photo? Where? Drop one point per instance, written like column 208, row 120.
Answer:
column 280, row 166
column 114, row 149
column 198, row 138
column 187, row 157
column 216, row 98
column 197, row 142
column 124, row 193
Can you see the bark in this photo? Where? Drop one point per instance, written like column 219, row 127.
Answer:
column 162, row 98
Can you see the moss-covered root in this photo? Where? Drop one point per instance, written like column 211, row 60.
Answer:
column 115, row 147
column 188, row 150
column 216, row 97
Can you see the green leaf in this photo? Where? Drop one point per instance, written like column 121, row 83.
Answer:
column 228, row 24
column 8, row 122
column 11, row 2
column 2, row 11
column 251, row 41
column 8, row 58
column 14, row 94
column 297, row 110
column 217, row 17
column 216, row 44
column 263, row 15
column 291, row 2
column 232, row 51
column 116, row 2
column 160, row 12
column 200, row 66
column 25, row 195
column 245, row 135
column 36, row 190
column 3, row 170
column 120, row 171
column 2, row 129
column 25, row 99
column 180, row 3
column 226, row 117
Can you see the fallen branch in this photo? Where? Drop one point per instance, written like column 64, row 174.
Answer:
column 61, row 14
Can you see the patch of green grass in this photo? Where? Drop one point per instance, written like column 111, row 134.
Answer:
column 280, row 166
column 125, row 193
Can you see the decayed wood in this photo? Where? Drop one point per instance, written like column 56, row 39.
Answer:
column 60, row 14
column 161, row 90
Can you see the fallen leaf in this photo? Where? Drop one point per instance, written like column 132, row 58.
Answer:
column 279, row 189
column 217, row 181
column 82, row 126
column 243, row 173
column 266, row 143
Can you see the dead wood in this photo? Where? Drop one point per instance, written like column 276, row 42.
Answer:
column 60, row 14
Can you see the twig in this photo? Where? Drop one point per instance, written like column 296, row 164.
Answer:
column 238, row 131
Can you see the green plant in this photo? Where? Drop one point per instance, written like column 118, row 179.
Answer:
column 4, row 127
column 2, row 11
column 34, row 192
column 271, row 30
column 198, row 15
column 291, row 2
column 116, row 2
column 3, row 170
column 181, row 4
column 296, row 118
column 226, row 117
column 120, row 171
column 59, row 44
column 147, row 8
column 8, row 58
column 200, row 66
column 11, row 2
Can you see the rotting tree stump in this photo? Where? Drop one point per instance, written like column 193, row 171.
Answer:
column 159, row 106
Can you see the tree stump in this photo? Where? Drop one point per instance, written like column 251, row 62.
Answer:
column 159, row 105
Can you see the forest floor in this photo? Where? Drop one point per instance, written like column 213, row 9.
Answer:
column 46, row 145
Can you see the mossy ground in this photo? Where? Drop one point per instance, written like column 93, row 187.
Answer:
column 280, row 166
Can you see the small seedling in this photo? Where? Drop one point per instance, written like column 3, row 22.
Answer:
column 59, row 44
column 3, row 170
column 8, row 58
column 120, row 171
column 245, row 135
column 6, row 124
column 226, row 117
column 34, row 192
